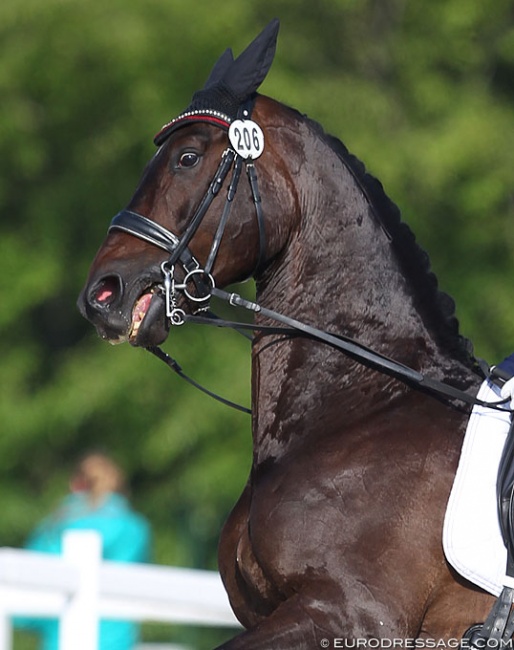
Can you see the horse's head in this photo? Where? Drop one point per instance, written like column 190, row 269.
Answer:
column 177, row 236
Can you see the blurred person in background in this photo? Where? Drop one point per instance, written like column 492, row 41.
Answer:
column 97, row 501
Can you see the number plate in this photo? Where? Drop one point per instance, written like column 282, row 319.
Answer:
column 246, row 138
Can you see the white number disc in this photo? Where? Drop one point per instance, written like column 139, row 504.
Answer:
column 246, row 138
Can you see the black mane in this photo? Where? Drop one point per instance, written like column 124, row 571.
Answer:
column 436, row 307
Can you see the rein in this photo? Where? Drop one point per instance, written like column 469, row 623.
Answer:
column 152, row 232
column 349, row 346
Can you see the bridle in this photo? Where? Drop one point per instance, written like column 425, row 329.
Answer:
column 205, row 287
column 140, row 226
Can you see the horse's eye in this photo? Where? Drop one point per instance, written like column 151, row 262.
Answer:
column 188, row 159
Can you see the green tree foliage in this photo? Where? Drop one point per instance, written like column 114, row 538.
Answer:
column 421, row 92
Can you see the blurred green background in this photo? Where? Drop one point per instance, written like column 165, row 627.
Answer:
column 422, row 92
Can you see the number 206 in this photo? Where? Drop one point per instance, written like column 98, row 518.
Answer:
column 245, row 139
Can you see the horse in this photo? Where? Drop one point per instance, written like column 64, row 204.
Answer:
column 336, row 538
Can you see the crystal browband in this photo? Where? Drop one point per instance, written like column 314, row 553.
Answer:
column 203, row 115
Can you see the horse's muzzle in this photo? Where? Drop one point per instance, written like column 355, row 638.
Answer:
column 119, row 315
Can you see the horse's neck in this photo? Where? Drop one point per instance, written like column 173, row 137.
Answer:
column 337, row 273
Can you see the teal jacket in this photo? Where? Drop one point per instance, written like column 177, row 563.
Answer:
column 126, row 537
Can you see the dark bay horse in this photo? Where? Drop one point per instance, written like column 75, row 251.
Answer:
column 337, row 536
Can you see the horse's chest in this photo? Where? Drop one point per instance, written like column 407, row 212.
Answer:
column 263, row 547
column 259, row 588
column 287, row 532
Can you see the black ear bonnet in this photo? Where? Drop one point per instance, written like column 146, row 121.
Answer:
column 231, row 83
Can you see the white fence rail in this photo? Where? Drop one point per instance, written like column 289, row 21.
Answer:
column 79, row 588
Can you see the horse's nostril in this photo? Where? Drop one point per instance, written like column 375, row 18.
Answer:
column 106, row 291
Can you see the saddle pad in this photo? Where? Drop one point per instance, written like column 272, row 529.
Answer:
column 472, row 538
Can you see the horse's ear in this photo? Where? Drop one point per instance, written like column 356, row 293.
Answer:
column 231, row 82
column 220, row 68
column 251, row 67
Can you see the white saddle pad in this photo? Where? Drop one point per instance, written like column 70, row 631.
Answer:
column 472, row 539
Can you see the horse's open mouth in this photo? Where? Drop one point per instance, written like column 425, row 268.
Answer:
column 139, row 312
column 149, row 324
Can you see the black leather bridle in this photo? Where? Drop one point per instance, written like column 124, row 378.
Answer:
column 178, row 248
column 140, row 226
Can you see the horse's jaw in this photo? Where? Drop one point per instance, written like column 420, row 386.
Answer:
column 140, row 321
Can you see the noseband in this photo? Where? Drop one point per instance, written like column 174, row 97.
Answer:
column 150, row 231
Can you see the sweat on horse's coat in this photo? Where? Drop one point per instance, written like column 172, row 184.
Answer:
column 338, row 531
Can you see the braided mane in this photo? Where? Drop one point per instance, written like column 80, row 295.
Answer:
column 436, row 307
